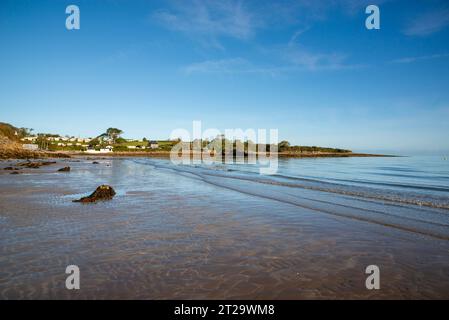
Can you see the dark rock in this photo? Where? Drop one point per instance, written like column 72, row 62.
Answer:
column 95, row 162
column 46, row 163
column 65, row 169
column 37, row 164
column 103, row 192
column 32, row 165
column 8, row 168
column 14, row 172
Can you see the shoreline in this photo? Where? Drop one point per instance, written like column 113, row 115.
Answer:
column 166, row 154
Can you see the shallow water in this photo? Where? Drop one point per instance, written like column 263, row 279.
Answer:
column 416, row 199
column 224, row 231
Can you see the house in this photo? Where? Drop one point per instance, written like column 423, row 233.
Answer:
column 29, row 139
column 131, row 147
column 30, row 146
column 153, row 144
column 98, row 151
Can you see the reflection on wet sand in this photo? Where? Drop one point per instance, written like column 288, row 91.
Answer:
column 168, row 236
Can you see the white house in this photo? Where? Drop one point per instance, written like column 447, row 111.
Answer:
column 154, row 144
column 30, row 146
column 29, row 139
column 98, row 151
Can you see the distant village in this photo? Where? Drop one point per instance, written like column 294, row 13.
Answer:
column 111, row 141
column 104, row 143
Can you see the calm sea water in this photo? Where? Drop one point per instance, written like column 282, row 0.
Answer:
column 423, row 178
column 410, row 193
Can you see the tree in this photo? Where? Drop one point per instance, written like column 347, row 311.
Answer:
column 94, row 142
column 112, row 134
column 24, row 132
column 283, row 145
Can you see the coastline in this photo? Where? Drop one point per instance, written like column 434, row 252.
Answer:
column 19, row 153
column 166, row 154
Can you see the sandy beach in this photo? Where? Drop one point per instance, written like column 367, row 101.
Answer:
column 168, row 234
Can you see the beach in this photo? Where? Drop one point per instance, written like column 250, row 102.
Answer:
column 224, row 231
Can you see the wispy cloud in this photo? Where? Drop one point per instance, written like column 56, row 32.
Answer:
column 287, row 58
column 299, row 61
column 229, row 66
column 313, row 61
column 420, row 58
column 299, row 56
column 296, row 35
column 209, row 19
column 217, row 66
column 428, row 23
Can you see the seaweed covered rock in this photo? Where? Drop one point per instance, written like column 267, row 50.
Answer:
column 65, row 169
column 37, row 164
column 103, row 192
column 32, row 165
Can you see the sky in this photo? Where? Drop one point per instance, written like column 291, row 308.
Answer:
column 309, row 68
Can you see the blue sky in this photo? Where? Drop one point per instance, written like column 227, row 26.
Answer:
column 309, row 68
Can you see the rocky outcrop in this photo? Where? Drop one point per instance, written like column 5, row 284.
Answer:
column 103, row 192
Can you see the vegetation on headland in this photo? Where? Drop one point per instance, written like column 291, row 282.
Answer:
column 18, row 139
column 12, row 148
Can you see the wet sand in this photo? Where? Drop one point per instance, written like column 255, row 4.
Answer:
column 167, row 236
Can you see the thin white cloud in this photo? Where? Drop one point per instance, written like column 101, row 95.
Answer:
column 208, row 18
column 420, row 58
column 428, row 23
column 296, row 35
column 208, row 21
column 229, row 66
column 299, row 61
column 304, row 58
column 317, row 61
column 217, row 66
